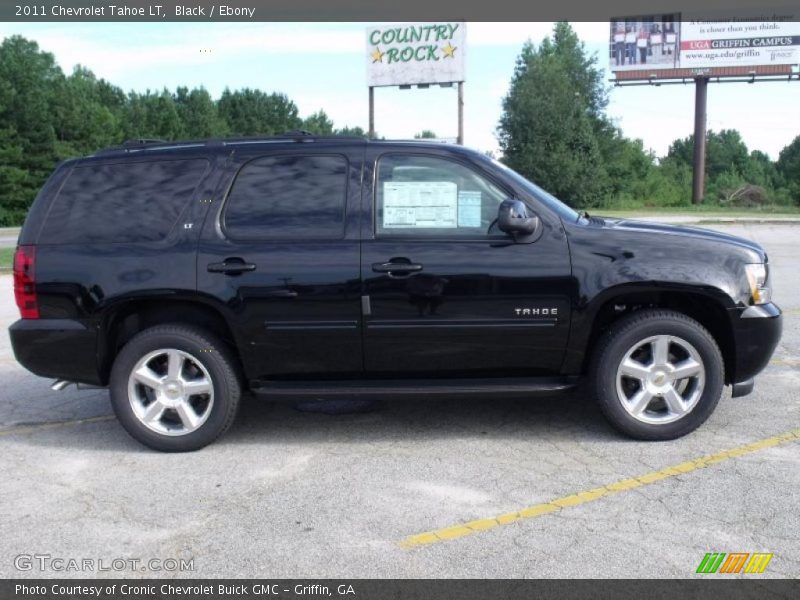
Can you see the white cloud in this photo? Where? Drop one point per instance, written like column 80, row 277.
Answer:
column 515, row 34
column 79, row 43
column 182, row 45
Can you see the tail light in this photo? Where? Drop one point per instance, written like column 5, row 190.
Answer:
column 25, row 282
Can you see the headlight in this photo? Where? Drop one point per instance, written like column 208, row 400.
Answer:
column 757, row 278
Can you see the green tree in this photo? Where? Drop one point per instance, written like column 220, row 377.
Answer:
column 28, row 83
column 789, row 161
column 788, row 166
column 732, row 172
column 253, row 112
column 318, row 124
column 350, row 131
column 198, row 114
column 46, row 116
column 15, row 187
column 586, row 78
column 152, row 115
column 681, row 151
column 760, row 170
column 548, row 130
column 626, row 162
column 725, row 152
column 84, row 118
column 425, row 134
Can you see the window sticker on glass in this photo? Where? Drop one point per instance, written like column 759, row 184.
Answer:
column 469, row 209
column 420, row 204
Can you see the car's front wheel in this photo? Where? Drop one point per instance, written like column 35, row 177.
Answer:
column 658, row 374
column 174, row 388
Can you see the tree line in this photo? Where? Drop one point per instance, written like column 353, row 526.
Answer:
column 553, row 130
column 47, row 116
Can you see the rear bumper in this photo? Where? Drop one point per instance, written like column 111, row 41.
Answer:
column 756, row 331
column 57, row 348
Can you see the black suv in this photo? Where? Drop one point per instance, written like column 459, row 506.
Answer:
column 182, row 274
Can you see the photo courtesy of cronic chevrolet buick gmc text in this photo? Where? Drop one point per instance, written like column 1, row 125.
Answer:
column 181, row 275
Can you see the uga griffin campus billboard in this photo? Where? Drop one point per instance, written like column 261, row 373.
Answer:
column 656, row 42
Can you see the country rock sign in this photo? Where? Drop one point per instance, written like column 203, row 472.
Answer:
column 408, row 53
column 415, row 53
column 410, row 38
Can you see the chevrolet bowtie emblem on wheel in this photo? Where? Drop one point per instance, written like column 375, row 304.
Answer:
column 736, row 562
column 536, row 312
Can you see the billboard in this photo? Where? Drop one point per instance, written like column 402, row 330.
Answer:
column 714, row 44
column 414, row 53
column 656, row 42
column 647, row 42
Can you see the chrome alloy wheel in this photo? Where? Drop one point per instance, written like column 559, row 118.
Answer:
column 171, row 392
column 660, row 379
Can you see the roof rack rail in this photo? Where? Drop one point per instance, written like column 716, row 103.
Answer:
column 142, row 142
column 298, row 135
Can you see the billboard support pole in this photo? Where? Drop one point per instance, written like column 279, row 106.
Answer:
column 460, row 140
column 371, row 112
column 699, row 170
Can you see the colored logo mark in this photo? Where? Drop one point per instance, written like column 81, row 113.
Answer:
column 734, row 562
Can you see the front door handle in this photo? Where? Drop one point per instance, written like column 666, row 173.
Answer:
column 397, row 267
column 231, row 266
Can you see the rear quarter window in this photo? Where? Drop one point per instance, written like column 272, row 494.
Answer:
column 122, row 202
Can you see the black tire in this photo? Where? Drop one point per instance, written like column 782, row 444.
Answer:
column 641, row 325
column 209, row 352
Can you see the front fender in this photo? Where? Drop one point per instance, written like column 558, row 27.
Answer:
column 608, row 263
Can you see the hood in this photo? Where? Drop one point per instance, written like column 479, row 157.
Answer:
column 647, row 227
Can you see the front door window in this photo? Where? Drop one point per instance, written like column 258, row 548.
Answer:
column 430, row 197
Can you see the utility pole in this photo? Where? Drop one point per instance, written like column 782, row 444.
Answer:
column 460, row 140
column 699, row 174
column 371, row 112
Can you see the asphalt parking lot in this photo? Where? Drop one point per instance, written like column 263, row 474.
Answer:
column 297, row 494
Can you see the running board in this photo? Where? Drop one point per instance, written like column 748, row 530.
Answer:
column 505, row 387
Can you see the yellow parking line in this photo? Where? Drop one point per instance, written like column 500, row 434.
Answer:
column 537, row 510
column 54, row 425
column 785, row 362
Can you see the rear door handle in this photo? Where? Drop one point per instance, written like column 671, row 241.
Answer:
column 231, row 266
column 396, row 267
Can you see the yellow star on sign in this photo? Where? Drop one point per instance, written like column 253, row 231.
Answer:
column 449, row 51
column 377, row 55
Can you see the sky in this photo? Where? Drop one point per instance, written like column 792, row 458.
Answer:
column 322, row 66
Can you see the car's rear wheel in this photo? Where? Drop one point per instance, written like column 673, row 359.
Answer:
column 658, row 374
column 174, row 388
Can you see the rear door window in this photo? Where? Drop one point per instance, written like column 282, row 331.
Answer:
column 288, row 197
column 122, row 202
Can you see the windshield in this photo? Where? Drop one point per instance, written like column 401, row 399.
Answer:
column 563, row 211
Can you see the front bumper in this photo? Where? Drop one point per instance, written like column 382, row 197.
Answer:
column 756, row 333
column 57, row 348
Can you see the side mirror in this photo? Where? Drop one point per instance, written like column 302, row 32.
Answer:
column 513, row 218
